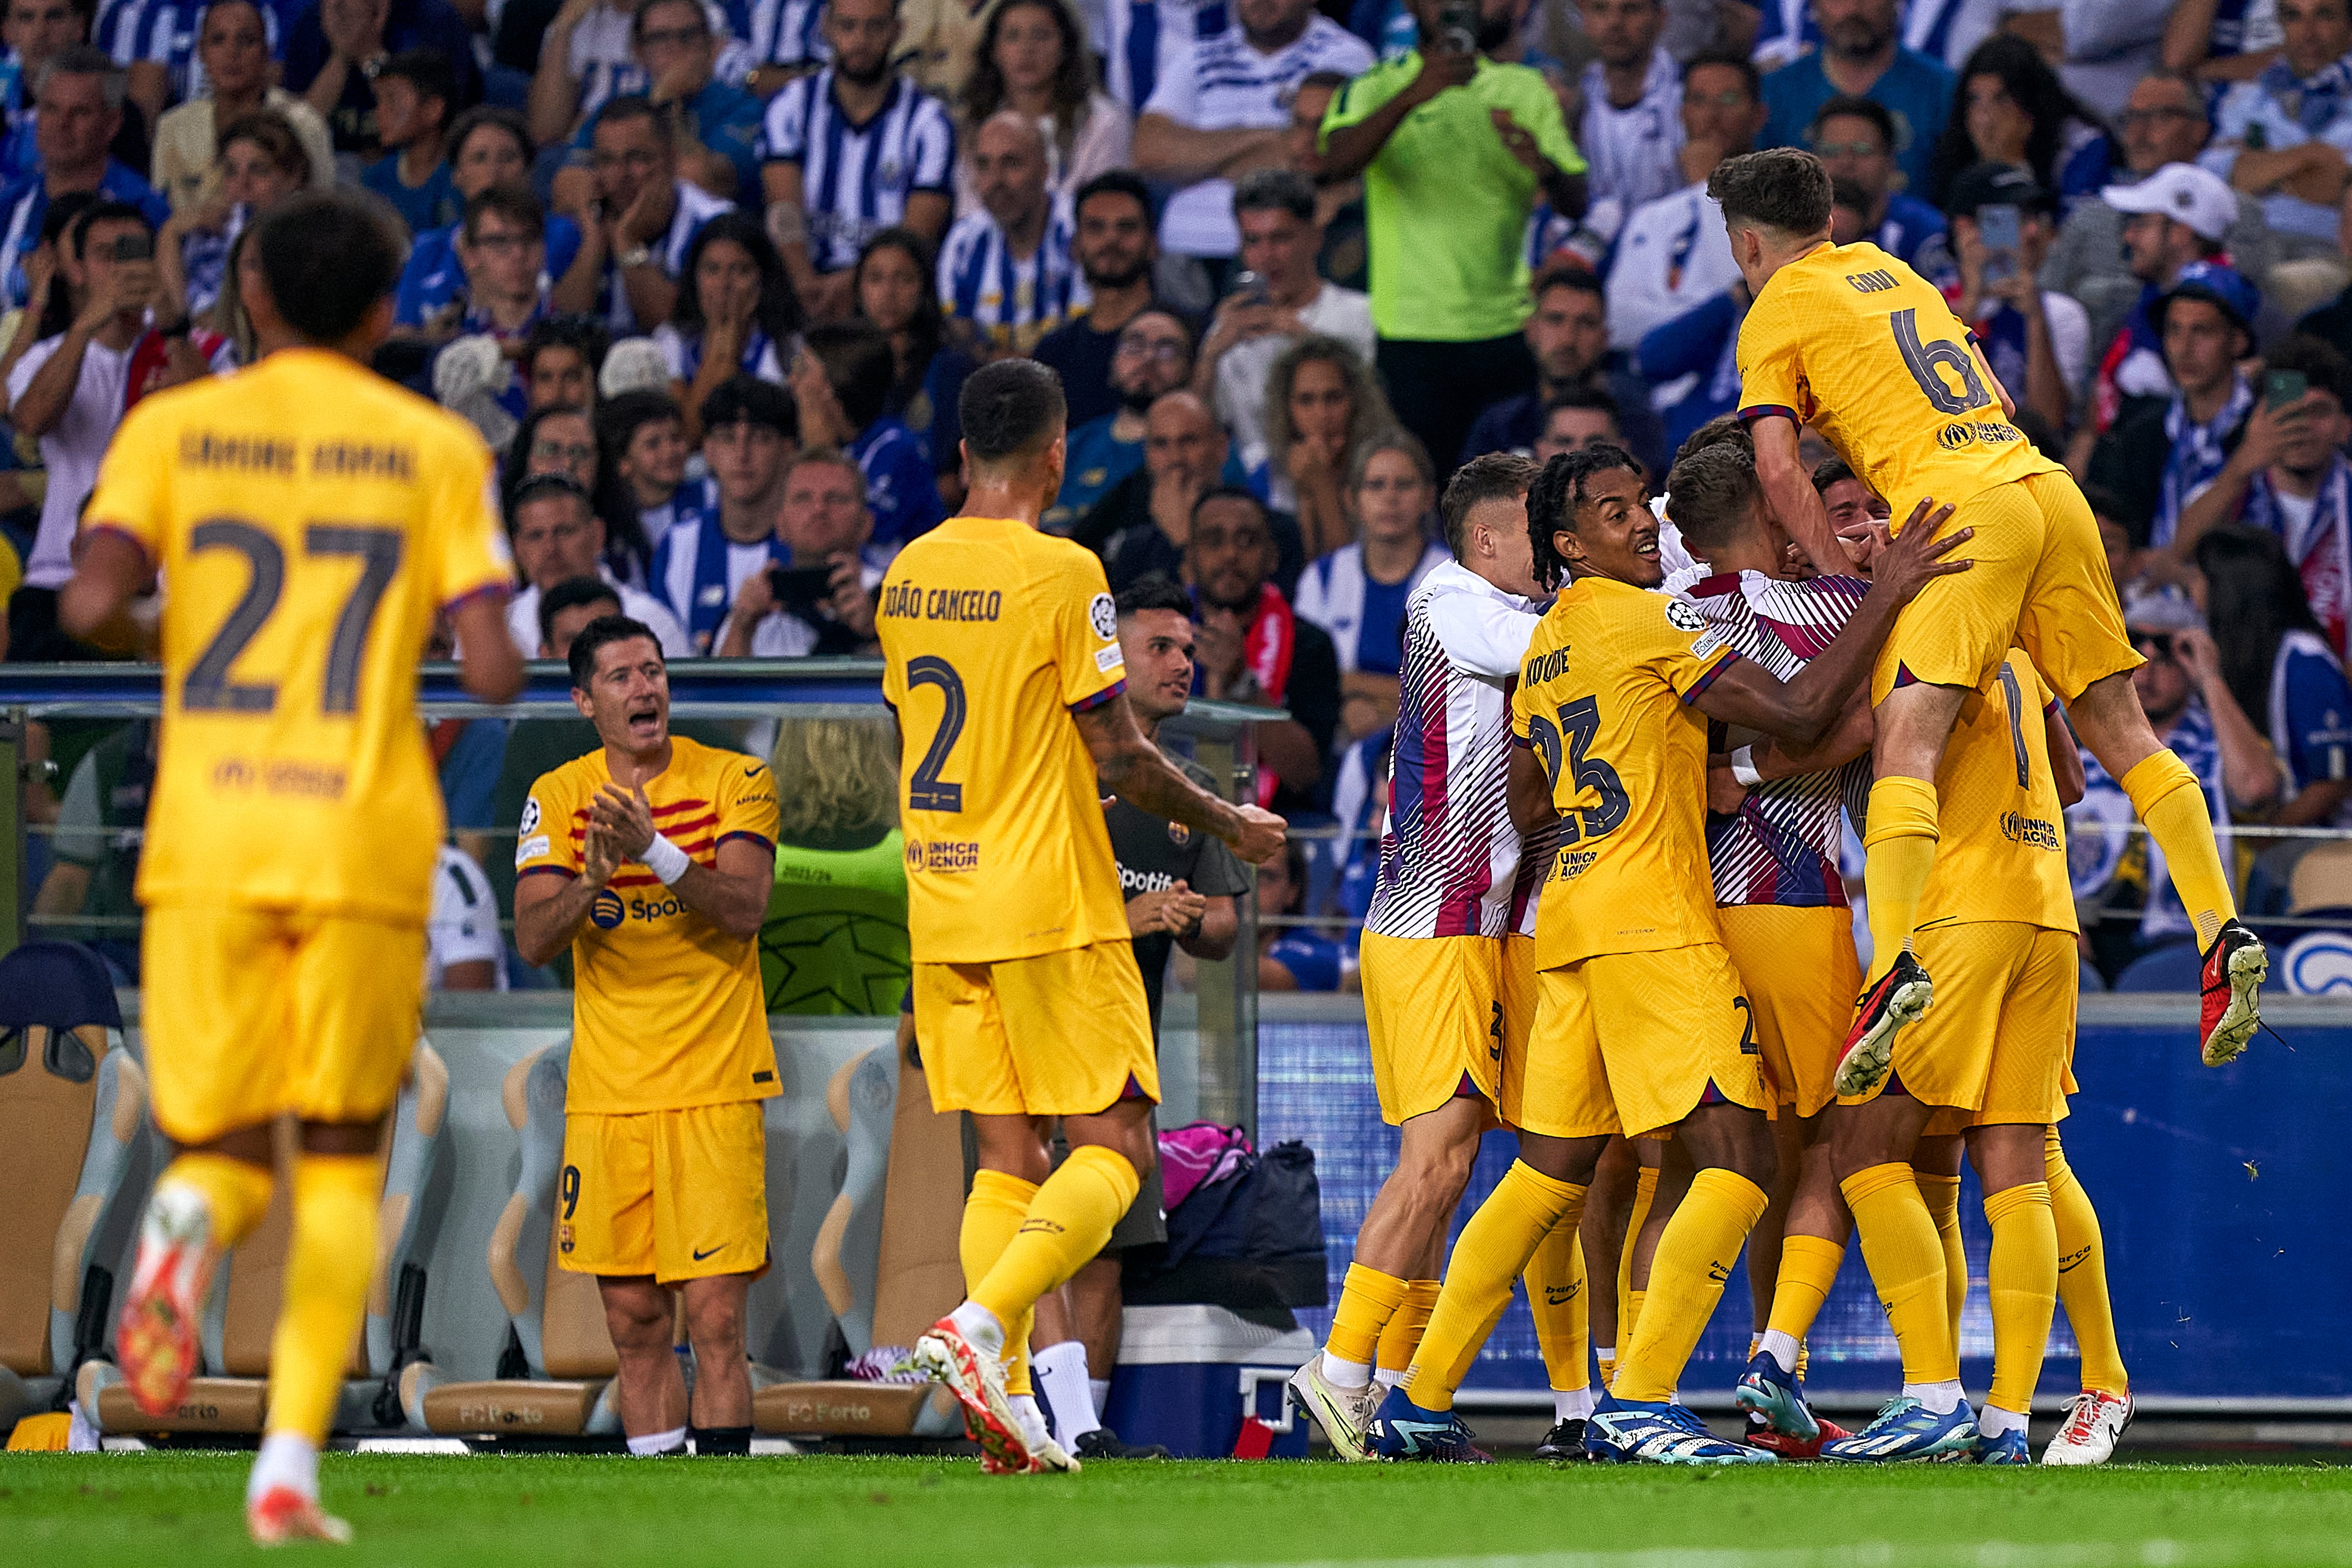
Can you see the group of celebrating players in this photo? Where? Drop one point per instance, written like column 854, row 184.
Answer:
column 1609, row 914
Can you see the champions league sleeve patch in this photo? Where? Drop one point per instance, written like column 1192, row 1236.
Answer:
column 1683, row 617
column 1102, row 613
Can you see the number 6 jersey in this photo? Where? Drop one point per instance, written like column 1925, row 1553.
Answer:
column 1851, row 341
column 1605, row 700
column 309, row 518
column 993, row 636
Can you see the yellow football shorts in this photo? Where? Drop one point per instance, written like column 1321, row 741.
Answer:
column 1061, row 1034
column 1800, row 973
column 1998, row 1041
column 2039, row 582
column 1635, row 1042
column 1433, row 1009
column 251, row 1014
column 678, row 1195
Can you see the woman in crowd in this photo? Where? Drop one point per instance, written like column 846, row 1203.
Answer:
column 1034, row 59
column 2014, row 110
column 1358, row 592
column 895, row 291
column 261, row 160
column 1321, row 402
column 233, row 50
column 736, row 312
column 560, row 439
column 841, row 379
column 2281, row 671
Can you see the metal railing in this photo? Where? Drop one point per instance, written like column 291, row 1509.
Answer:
column 748, row 693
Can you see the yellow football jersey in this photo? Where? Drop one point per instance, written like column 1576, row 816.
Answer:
column 1852, row 342
column 309, row 518
column 2002, row 850
column 1604, row 700
column 666, row 1009
column 992, row 635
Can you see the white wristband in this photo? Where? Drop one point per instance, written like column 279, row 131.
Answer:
column 1743, row 768
column 665, row 860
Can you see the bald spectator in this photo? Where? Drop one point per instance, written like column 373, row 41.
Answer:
column 1140, row 525
column 1006, row 270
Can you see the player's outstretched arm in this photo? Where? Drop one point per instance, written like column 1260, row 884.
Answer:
column 1788, row 490
column 731, row 895
column 1803, row 710
column 1527, row 792
column 1133, row 768
column 490, row 666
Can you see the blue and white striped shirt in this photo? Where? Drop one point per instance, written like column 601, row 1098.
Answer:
column 1134, row 36
column 855, row 179
column 695, row 206
column 1012, row 301
column 781, row 32
column 164, row 32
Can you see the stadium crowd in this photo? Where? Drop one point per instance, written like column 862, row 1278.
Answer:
column 709, row 277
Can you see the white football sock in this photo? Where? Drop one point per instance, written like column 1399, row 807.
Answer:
column 1572, row 1407
column 1782, row 1348
column 287, row 1460
column 1061, row 1374
column 1388, row 1376
column 1940, row 1398
column 653, row 1443
column 1345, row 1373
column 1100, row 1387
column 1994, row 1422
column 979, row 1325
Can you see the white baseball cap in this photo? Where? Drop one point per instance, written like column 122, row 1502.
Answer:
column 2183, row 193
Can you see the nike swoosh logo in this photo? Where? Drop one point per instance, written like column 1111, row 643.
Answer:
column 701, row 1253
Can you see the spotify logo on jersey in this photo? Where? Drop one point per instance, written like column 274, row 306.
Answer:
column 605, row 910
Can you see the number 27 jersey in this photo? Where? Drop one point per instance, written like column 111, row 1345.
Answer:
column 1604, row 700
column 1851, row 341
column 993, row 636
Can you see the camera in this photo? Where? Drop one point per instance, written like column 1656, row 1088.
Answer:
column 1458, row 25
column 801, row 587
column 134, row 248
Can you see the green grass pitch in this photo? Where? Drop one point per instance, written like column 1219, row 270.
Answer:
column 173, row 1511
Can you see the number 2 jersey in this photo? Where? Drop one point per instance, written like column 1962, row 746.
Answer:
column 1605, row 700
column 1852, row 342
column 309, row 518
column 993, row 636
column 1781, row 846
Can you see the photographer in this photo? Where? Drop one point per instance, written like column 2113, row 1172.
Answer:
column 96, row 357
column 821, row 603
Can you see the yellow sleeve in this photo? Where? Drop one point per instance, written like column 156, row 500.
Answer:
column 1523, row 703
column 1084, row 629
column 470, row 551
column 1772, row 360
column 1678, row 643
column 132, row 496
column 544, row 841
column 747, row 803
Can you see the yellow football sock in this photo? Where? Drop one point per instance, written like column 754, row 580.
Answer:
column 991, row 1218
column 1693, row 1257
column 1629, row 1319
column 2022, row 1279
column 1901, row 851
column 1942, row 1196
column 327, row 1271
column 1068, row 1221
column 1906, row 1265
column 235, row 1192
column 1556, row 1297
column 1401, row 1336
column 1645, row 1194
column 1495, row 1247
column 2172, row 804
column 2083, row 1277
column 1809, row 1267
column 1367, row 1299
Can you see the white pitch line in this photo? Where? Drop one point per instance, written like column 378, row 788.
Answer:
column 2158, row 1552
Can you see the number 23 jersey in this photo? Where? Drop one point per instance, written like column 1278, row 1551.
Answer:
column 993, row 636
column 1851, row 341
column 1605, row 700
column 309, row 518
